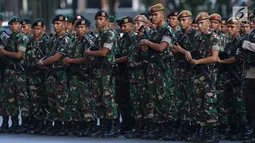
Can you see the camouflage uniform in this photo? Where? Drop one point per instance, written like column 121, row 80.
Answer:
column 56, row 82
column 103, row 78
column 80, row 100
column 36, row 51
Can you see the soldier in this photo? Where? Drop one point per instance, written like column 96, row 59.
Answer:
column 224, row 27
column 76, row 18
column 172, row 20
column 56, row 80
column 204, row 107
column 184, row 88
column 249, row 81
column 160, row 76
column 138, row 89
column 80, row 100
column 125, row 45
column 36, row 77
column 15, row 88
column 245, row 27
column 104, row 94
column 26, row 27
column 112, row 22
column 69, row 28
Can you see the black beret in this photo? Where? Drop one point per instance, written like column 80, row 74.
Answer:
column 13, row 19
column 102, row 13
column 59, row 18
column 84, row 21
column 26, row 21
column 173, row 13
column 125, row 20
column 39, row 22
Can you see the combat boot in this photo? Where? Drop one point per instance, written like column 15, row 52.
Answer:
column 5, row 125
column 99, row 130
column 38, row 126
column 155, row 132
column 112, row 130
column 242, row 133
column 15, row 125
column 88, row 128
column 47, row 127
column 212, row 135
column 54, row 130
column 135, row 132
column 73, row 128
column 24, row 126
column 171, row 132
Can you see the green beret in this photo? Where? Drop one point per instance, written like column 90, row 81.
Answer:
column 69, row 18
column 13, row 19
column 1, row 17
column 59, row 18
column 39, row 22
column 102, row 13
column 26, row 21
column 112, row 19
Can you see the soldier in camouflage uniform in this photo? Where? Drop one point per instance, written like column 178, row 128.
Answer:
column 233, row 105
column 106, row 107
column 223, row 26
column 14, row 88
column 36, row 77
column 184, row 85
column 26, row 27
column 138, row 86
column 160, row 76
column 56, row 79
column 80, row 99
column 125, row 45
column 204, row 104
column 69, row 28
column 172, row 19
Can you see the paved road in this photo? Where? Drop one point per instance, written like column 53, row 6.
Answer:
column 11, row 138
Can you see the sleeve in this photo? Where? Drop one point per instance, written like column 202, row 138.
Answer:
column 23, row 42
column 167, row 37
column 215, row 43
column 64, row 45
column 110, row 40
column 248, row 46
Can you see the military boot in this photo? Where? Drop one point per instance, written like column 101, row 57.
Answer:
column 88, row 128
column 198, row 134
column 136, row 131
column 54, row 130
column 242, row 133
column 38, row 126
column 47, row 127
column 155, row 132
column 99, row 130
column 24, row 126
column 64, row 129
column 212, row 135
column 171, row 132
column 74, row 127
column 112, row 130
column 15, row 125
column 5, row 125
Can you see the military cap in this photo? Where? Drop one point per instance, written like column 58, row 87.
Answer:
column 202, row 16
column 233, row 21
column 1, row 17
column 173, row 13
column 88, row 23
column 184, row 13
column 126, row 20
column 141, row 18
column 215, row 16
column 26, row 21
column 223, row 22
column 157, row 7
column 39, row 22
column 101, row 13
column 81, row 22
column 13, row 19
column 69, row 18
column 112, row 19
column 59, row 18
column 77, row 17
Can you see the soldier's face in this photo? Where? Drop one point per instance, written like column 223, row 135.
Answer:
column 173, row 21
column 15, row 26
column 157, row 17
column 185, row 22
column 26, row 29
column 101, row 21
column 233, row 30
column 215, row 25
column 59, row 26
column 247, row 28
column 224, row 29
column 252, row 24
column 37, row 31
column 203, row 25
column 81, row 30
column 69, row 27
column 137, row 25
column 112, row 26
column 128, row 27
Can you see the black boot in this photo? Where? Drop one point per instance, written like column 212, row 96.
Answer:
column 15, row 124
column 213, row 135
column 74, row 127
column 112, row 129
column 88, row 128
column 5, row 125
column 46, row 128
column 136, row 131
column 171, row 132
column 155, row 132
column 38, row 126
column 241, row 134
column 54, row 130
column 24, row 126
column 99, row 130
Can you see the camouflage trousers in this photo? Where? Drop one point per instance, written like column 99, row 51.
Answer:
column 57, row 91
column 204, row 104
column 14, row 94
column 38, row 98
column 103, row 87
column 80, row 99
column 222, row 106
column 161, row 95
column 138, row 93
column 249, row 96
column 184, row 92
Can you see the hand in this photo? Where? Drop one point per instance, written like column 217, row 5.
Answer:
column 144, row 48
column 219, row 60
column 143, row 42
column 194, row 62
column 177, row 48
column 40, row 62
column 66, row 61
column 2, row 52
column 188, row 56
column 86, row 53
